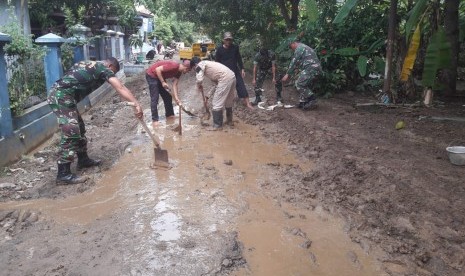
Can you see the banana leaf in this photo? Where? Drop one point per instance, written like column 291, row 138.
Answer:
column 347, row 51
column 380, row 65
column 345, row 10
column 414, row 17
column 409, row 60
column 437, row 57
column 375, row 46
column 312, row 10
column 362, row 65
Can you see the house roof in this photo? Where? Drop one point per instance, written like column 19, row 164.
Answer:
column 143, row 11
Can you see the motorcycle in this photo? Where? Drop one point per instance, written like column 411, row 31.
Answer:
column 168, row 53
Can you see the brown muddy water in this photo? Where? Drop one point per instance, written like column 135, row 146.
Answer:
column 212, row 187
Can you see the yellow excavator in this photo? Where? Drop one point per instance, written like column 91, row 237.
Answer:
column 201, row 50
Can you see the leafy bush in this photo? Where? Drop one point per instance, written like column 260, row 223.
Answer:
column 25, row 66
column 349, row 51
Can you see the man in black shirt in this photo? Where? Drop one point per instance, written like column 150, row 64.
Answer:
column 229, row 55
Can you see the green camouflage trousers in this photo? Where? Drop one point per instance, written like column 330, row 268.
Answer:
column 304, row 83
column 72, row 126
column 261, row 75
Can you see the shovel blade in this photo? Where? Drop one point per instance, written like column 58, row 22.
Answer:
column 161, row 157
column 177, row 128
column 188, row 112
column 206, row 116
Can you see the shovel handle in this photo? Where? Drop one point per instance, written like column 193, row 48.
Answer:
column 144, row 125
column 204, row 101
column 180, row 123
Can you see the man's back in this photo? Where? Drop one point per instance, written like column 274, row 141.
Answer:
column 83, row 75
column 215, row 71
column 307, row 56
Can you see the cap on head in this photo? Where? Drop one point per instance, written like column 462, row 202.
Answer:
column 194, row 61
column 227, row 35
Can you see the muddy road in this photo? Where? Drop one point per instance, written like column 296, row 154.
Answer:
column 336, row 191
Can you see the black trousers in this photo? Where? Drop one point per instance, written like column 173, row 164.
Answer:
column 156, row 90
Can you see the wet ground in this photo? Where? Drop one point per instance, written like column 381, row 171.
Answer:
column 330, row 192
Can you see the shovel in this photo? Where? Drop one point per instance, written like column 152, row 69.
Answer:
column 207, row 111
column 188, row 112
column 179, row 127
column 161, row 155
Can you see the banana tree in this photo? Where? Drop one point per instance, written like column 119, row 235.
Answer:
column 442, row 47
column 442, row 42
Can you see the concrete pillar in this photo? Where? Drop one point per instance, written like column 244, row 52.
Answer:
column 112, row 35
column 121, row 45
column 52, row 60
column 102, row 43
column 81, row 51
column 78, row 50
column 6, row 123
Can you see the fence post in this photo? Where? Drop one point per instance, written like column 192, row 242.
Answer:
column 6, row 123
column 121, row 45
column 81, row 52
column 52, row 60
column 112, row 35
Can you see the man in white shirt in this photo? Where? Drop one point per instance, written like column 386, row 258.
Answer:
column 223, row 94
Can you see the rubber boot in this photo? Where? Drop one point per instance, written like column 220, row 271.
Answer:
column 257, row 100
column 229, row 116
column 85, row 162
column 65, row 177
column 257, row 97
column 217, row 120
column 310, row 104
column 279, row 98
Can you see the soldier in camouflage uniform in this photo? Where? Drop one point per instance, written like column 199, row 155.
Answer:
column 63, row 98
column 265, row 60
column 307, row 61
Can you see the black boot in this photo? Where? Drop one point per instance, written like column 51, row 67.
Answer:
column 65, row 177
column 258, row 92
column 217, row 120
column 257, row 100
column 278, row 97
column 310, row 104
column 85, row 162
column 229, row 116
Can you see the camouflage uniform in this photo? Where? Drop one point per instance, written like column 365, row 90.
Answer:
column 265, row 62
column 307, row 61
column 63, row 98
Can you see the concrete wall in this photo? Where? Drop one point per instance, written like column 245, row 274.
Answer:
column 39, row 123
column 134, row 69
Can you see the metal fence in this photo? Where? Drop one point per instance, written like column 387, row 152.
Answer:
column 26, row 81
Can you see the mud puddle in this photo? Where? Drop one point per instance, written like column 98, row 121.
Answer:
column 189, row 220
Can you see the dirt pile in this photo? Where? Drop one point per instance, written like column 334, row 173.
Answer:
column 396, row 189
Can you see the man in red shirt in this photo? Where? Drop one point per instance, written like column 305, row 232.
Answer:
column 156, row 76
